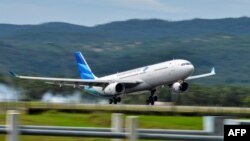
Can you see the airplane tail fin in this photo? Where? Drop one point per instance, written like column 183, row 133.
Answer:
column 83, row 67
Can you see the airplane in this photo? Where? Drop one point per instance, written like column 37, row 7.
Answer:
column 174, row 73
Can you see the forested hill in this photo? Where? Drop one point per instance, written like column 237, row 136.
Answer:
column 47, row 49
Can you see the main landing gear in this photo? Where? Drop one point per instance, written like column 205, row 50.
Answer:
column 151, row 100
column 115, row 100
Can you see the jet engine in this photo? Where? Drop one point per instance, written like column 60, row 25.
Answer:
column 114, row 88
column 179, row 87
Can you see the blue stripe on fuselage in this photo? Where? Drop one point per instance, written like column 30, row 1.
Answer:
column 92, row 91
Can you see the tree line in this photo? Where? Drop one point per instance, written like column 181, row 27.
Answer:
column 202, row 95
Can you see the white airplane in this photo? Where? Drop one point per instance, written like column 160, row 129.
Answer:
column 172, row 73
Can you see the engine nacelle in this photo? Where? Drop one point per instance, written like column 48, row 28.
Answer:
column 179, row 87
column 114, row 88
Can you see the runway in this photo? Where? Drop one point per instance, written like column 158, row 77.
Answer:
column 123, row 108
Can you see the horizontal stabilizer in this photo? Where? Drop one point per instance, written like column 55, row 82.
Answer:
column 13, row 74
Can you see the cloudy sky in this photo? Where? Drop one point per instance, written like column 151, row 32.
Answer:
column 94, row 12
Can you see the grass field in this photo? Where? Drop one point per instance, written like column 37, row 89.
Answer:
column 98, row 119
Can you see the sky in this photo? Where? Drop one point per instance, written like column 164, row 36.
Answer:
column 95, row 12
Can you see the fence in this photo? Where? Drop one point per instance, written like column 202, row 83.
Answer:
column 116, row 132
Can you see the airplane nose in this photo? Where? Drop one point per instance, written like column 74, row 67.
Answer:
column 191, row 69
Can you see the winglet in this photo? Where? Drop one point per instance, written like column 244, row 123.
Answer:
column 202, row 75
column 13, row 74
column 213, row 71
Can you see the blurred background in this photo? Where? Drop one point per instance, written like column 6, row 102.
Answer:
column 39, row 38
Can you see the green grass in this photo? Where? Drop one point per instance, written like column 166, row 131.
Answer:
column 66, row 119
column 170, row 122
column 98, row 119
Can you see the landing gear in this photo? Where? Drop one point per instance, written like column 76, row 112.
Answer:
column 110, row 101
column 118, row 99
column 155, row 98
column 151, row 100
column 115, row 100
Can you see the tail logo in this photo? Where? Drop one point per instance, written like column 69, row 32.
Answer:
column 83, row 67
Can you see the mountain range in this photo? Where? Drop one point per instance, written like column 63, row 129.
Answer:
column 47, row 49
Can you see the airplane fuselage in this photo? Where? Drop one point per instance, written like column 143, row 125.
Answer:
column 151, row 76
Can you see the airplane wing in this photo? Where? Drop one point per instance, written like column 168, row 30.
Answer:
column 75, row 82
column 202, row 75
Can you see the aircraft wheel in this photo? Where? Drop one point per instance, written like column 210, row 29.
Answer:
column 155, row 98
column 118, row 99
column 115, row 100
column 152, row 102
column 110, row 101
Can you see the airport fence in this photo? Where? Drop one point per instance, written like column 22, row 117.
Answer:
column 212, row 130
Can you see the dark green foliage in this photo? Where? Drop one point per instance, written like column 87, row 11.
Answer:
column 246, row 101
column 47, row 49
column 216, row 95
column 213, row 95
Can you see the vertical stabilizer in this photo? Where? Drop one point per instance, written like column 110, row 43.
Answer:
column 83, row 67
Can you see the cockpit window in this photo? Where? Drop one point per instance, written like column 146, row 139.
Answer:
column 184, row 64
